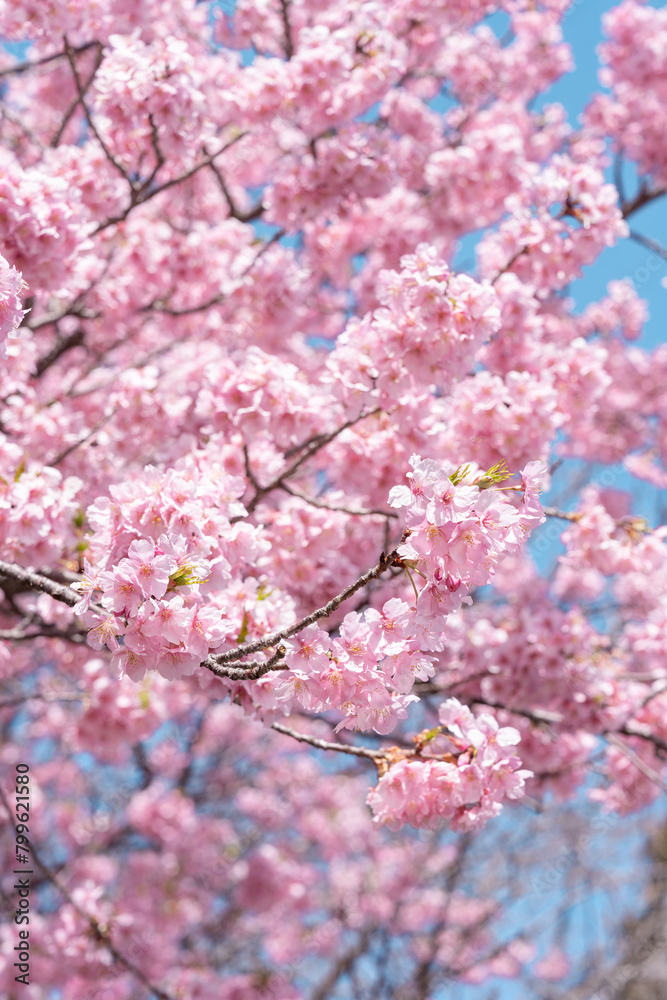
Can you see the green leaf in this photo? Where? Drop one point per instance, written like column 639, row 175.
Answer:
column 241, row 637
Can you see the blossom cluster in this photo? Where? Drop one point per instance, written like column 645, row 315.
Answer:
column 38, row 508
column 460, row 525
column 160, row 545
column 12, row 286
column 543, row 248
column 465, row 787
column 426, row 332
column 634, row 113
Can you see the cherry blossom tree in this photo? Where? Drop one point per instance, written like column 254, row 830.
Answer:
column 277, row 642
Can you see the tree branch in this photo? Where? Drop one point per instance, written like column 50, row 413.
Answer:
column 383, row 564
column 650, row 244
column 36, row 581
column 564, row 515
column 81, row 93
column 62, row 345
column 287, row 30
column 357, row 512
column 69, row 52
column 313, row 741
column 646, row 769
column 32, row 64
column 306, row 452
column 644, row 196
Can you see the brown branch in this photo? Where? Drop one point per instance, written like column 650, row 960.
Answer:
column 246, row 649
column 159, row 156
column 250, row 216
column 249, row 671
column 77, row 444
column 313, row 741
column 356, row 512
column 28, row 65
column 644, row 196
column 69, row 52
column 513, row 259
column 140, row 195
column 81, row 93
column 287, row 30
column 61, row 346
column 306, row 452
column 36, row 581
column 564, row 515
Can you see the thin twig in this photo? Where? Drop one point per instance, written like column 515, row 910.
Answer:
column 646, row 241
column 234, row 212
column 69, row 52
column 79, row 97
column 32, row 64
column 77, row 444
column 306, row 453
column 646, row 769
column 355, row 511
column 564, row 515
column 324, row 745
column 140, row 195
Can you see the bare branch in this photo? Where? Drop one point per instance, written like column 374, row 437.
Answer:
column 307, row 452
column 324, row 745
column 513, row 259
column 140, row 194
column 250, row 670
column 32, row 64
column 81, row 93
column 61, row 346
column 564, row 515
column 69, row 52
column 77, row 444
column 357, row 512
column 36, row 581
column 645, row 768
column 650, row 244
column 644, row 196
column 287, row 30
column 250, row 216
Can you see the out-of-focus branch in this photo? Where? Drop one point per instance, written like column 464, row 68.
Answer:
column 305, row 453
column 355, row 511
column 69, row 52
column 646, row 241
column 81, row 93
column 644, row 196
column 29, row 64
column 287, row 29
column 61, row 346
